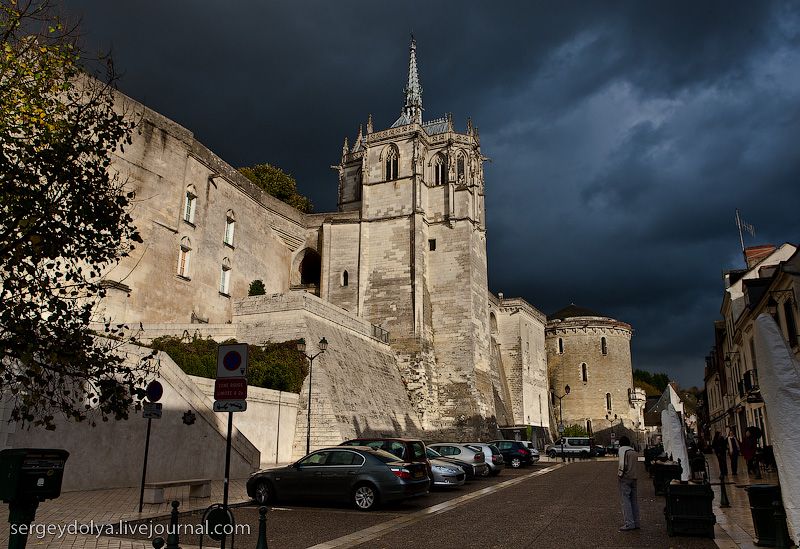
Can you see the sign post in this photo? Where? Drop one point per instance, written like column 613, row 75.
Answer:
column 151, row 411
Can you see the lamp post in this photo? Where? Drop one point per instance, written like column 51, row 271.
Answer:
column 561, row 417
column 301, row 346
column 612, row 420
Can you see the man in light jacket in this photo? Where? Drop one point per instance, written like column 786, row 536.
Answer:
column 626, row 473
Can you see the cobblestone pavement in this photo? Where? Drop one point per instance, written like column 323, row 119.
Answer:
column 550, row 505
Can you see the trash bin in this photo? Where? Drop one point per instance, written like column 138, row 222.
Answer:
column 663, row 473
column 761, row 497
column 688, row 510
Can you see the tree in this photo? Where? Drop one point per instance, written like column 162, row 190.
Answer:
column 257, row 288
column 279, row 184
column 575, row 431
column 64, row 220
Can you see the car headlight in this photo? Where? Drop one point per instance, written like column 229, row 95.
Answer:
column 444, row 470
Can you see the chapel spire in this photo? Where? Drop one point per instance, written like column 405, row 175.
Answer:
column 413, row 91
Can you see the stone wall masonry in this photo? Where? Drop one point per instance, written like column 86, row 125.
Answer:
column 109, row 455
column 269, row 421
column 147, row 332
column 356, row 385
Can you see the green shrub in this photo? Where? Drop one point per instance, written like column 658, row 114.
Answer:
column 276, row 366
column 257, row 288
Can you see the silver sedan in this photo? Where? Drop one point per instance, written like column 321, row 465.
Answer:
column 447, row 474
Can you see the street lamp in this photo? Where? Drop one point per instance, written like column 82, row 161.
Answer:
column 612, row 420
column 301, row 346
column 561, row 417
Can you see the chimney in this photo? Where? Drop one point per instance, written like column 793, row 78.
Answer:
column 754, row 254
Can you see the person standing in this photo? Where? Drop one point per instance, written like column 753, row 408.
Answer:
column 720, row 447
column 626, row 475
column 733, row 450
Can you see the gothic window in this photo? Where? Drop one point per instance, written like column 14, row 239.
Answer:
column 190, row 204
column 184, row 257
column 225, row 277
column 439, row 170
column 460, row 175
column 391, row 164
column 608, row 401
column 230, row 225
column 357, row 193
column 584, row 372
column 791, row 326
column 589, row 426
column 345, row 278
column 603, row 346
column 560, row 346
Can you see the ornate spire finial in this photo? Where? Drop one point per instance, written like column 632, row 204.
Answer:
column 360, row 137
column 413, row 91
column 449, row 121
column 469, row 126
column 345, row 147
column 369, row 124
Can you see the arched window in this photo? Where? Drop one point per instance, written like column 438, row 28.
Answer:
column 584, row 372
column 357, row 193
column 345, row 278
column 603, row 346
column 230, row 225
column 460, row 170
column 608, row 401
column 560, row 346
column 391, row 164
column 184, row 257
column 589, row 426
column 440, row 170
column 190, row 204
column 225, row 277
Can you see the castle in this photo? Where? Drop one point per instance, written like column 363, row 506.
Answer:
column 395, row 280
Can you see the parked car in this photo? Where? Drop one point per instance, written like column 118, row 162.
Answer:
column 406, row 449
column 359, row 474
column 613, row 448
column 471, row 468
column 573, row 447
column 446, row 474
column 599, row 451
column 515, row 453
column 491, row 453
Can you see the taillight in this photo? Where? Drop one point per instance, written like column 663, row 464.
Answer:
column 523, row 452
column 479, row 457
column 494, row 458
column 401, row 472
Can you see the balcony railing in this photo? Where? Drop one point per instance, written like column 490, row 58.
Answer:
column 380, row 334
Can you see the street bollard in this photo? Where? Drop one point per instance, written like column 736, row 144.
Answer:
column 781, row 534
column 262, row 528
column 158, row 543
column 723, row 493
column 172, row 535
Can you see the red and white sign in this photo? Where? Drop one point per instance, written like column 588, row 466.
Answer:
column 230, row 388
column 232, row 360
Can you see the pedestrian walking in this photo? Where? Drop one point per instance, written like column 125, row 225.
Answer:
column 626, row 475
column 749, row 447
column 733, row 450
column 720, row 447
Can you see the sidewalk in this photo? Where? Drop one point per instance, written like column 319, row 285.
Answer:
column 735, row 524
column 110, row 506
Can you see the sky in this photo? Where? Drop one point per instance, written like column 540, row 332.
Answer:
column 622, row 136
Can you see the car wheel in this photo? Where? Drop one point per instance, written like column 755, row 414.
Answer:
column 365, row 497
column 551, row 454
column 263, row 493
column 486, row 472
column 516, row 463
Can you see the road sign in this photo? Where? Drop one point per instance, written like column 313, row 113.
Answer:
column 230, row 388
column 154, row 391
column 613, row 436
column 232, row 360
column 152, row 410
column 560, row 428
column 230, row 405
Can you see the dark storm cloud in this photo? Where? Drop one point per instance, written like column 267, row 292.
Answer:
column 622, row 135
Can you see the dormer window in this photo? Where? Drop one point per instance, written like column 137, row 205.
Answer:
column 190, row 204
column 391, row 164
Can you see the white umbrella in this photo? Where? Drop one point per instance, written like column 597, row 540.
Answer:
column 673, row 432
column 779, row 382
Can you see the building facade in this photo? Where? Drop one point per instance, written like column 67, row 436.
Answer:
column 591, row 353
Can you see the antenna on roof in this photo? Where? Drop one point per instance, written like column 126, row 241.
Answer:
column 741, row 225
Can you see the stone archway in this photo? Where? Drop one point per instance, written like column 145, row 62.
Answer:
column 306, row 270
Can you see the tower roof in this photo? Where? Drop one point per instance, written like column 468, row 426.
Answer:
column 412, row 110
column 571, row 311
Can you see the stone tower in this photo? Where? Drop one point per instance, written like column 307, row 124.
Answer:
column 416, row 265
column 591, row 353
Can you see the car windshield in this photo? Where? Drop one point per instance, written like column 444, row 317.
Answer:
column 385, row 456
column 431, row 453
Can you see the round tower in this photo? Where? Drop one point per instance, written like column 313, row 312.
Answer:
column 591, row 353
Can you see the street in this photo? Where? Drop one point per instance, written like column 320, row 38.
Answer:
column 547, row 505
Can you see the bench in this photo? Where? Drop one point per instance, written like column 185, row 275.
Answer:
column 198, row 488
